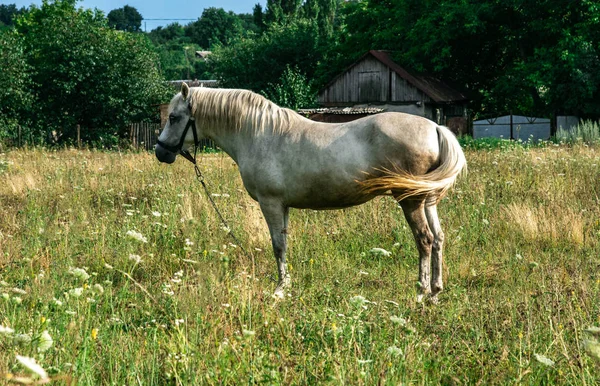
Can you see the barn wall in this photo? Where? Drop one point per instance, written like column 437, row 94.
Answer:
column 402, row 91
column 370, row 81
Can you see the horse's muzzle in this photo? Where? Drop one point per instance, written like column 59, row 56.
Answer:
column 164, row 155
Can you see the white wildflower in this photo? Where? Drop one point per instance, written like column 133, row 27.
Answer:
column 156, row 214
column 5, row 296
column 45, row 341
column 75, row 292
column 6, row 330
column 398, row 320
column 98, row 289
column 137, row 236
column 79, row 273
column 17, row 300
column 32, row 366
column 544, row 360
column 358, row 301
column 248, row 333
column 188, row 242
column 21, row 339
column 18, row 291
column 56, row 302
column 135, row 258
column 591, row 342
column 394, row 351
column 179, row 321
column 380, row 252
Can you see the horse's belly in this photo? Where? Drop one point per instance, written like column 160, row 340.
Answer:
column 320, row 198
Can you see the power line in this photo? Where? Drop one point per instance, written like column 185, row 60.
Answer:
column 168, row 19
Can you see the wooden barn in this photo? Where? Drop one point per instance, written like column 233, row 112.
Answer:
column 375, row 80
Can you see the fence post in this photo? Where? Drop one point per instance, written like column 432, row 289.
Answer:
column 20, row 138
column 79, row 136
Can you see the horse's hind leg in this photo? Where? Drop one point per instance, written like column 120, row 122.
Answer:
column 414, row 212
column 276, row 216
column 437, row 283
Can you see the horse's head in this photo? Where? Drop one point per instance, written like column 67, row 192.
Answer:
column 180, row 131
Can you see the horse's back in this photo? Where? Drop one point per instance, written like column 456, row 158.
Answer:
column 400, row 141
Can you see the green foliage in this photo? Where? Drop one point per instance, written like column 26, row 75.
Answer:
column 215, row 26
column 125, row 19
column 254, row 62
column 85, row 73
column 293, row 90
column 16, row 99
column 587, row 132
column 8, row 13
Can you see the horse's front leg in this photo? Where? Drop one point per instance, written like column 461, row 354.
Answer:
column 277, row 215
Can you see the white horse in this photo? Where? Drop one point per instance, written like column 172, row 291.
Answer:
column 288, row 161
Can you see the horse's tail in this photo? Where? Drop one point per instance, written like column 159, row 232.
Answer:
column 433, row 185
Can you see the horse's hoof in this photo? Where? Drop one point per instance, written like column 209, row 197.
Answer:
column 434, row 299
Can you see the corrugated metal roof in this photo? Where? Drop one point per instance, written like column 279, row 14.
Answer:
column 195, row 83
column 342, row 111
column 431, row 86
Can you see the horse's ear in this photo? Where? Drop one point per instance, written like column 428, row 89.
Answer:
column 185, row 90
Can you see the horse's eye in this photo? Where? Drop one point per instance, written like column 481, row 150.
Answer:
column 172, row 118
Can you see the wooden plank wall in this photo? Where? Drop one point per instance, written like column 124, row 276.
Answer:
column 348, row 88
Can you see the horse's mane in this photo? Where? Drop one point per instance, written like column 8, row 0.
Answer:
column 232, row 109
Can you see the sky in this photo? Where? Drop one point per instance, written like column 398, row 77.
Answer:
column 155, row 9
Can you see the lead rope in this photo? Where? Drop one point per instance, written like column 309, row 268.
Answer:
column 200, row 178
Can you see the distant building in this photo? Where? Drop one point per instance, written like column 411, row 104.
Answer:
column 376, row 81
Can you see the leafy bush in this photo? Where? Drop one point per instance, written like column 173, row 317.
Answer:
column 293, row 91
column 587, row 132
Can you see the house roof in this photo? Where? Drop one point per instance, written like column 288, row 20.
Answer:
column 341, row 111
column 203, row 54
column 431, row 86
column 194, row 83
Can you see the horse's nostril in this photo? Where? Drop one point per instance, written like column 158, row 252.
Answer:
column 163, row 155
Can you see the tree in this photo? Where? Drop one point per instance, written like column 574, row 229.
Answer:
column 125, row 19
column 15, row 85
column 255, row 62
column 87, row 73
column 258, row 16
column 173, row 32
column 215, row 26
column 8, row 13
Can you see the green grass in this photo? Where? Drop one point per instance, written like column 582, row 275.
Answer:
column 522, row 275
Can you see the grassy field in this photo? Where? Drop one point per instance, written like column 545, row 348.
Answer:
column 114, row 269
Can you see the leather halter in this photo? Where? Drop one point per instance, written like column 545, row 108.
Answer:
column 177, row 148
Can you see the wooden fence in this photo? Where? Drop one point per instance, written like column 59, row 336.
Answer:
column 144, row 135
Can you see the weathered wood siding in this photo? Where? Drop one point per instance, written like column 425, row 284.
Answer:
column 402, row 91
column 370, row 81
